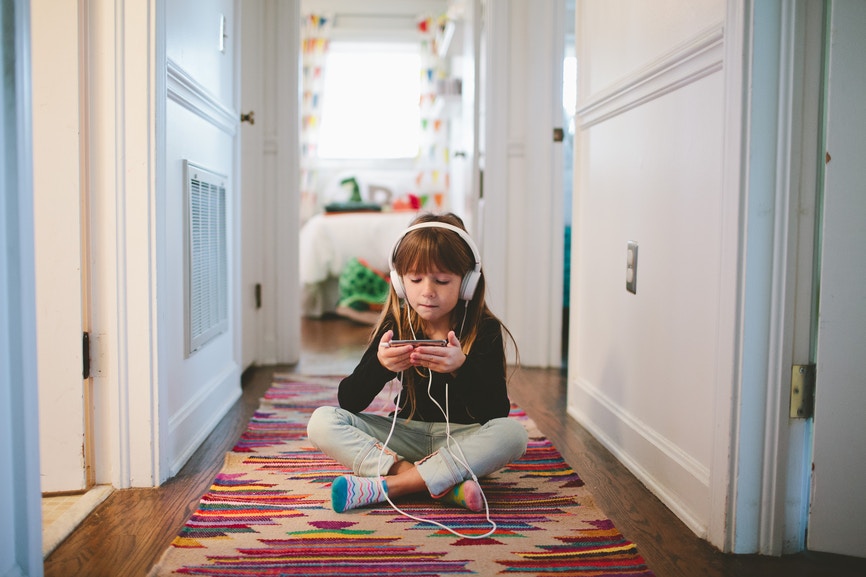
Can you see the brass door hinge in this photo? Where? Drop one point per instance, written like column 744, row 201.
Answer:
column 802, row 391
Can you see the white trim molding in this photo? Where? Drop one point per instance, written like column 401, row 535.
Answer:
column 287, row 291
column 125, row 135
column 182, row 88
column 688, row 62
column 725, row 441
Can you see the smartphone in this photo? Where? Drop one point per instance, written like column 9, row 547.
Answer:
column 420, row 342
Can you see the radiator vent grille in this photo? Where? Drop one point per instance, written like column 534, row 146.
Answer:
column 206, row 267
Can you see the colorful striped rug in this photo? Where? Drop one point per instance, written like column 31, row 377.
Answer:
column 268, row 512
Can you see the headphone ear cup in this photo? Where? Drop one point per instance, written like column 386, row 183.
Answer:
column 397, row 283
column 469, row 284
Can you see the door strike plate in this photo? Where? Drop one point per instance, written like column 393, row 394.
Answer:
column 802, row 391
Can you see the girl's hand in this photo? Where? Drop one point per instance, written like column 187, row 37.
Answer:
column 445, row 359
column 395, row 359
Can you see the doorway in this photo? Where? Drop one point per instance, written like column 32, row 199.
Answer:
column 569, row 106
column 491, row 73
column 807, row 468
column 61, row 226
column 60, row 209
column 357, row 196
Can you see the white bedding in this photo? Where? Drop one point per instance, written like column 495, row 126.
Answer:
column 329, row 241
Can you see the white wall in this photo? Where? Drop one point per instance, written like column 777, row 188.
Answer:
column 644, row 368
column 202, row 114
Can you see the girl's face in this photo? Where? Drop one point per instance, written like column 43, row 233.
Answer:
column 433, row 295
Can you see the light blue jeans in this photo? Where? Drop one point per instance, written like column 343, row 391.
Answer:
column 355, row 441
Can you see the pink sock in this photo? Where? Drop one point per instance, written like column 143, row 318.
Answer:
column 467, row 494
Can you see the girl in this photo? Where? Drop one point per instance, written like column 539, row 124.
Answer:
column 437, row 292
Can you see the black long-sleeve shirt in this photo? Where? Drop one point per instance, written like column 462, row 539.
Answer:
column 477, row 392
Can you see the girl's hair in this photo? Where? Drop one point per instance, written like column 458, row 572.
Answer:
column 422, row 251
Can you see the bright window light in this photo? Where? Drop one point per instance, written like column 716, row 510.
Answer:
column 569, row 85
column 370, row 101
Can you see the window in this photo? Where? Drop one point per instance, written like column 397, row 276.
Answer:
column 370, row 101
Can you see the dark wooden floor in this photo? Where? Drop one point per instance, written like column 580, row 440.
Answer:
column 127, row 533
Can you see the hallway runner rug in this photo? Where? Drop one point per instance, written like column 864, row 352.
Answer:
column 268, row 512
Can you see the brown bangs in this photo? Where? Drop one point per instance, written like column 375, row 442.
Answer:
column 428, row 249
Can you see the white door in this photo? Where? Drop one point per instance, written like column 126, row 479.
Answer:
column 838, row 505
column 252, row 161
column 58, row 209
column 467, row 159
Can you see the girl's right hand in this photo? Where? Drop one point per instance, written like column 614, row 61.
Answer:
column 395, row 359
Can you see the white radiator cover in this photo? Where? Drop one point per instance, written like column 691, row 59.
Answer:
column 205, row 256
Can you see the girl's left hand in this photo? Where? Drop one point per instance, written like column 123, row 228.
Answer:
column 445, row 359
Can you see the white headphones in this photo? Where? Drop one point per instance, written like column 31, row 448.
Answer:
column 470, row 279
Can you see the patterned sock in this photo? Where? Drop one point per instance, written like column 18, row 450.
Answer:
column 467, row 494
column 349, row 492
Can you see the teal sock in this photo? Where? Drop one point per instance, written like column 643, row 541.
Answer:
column 350, row 492
column 467, row 494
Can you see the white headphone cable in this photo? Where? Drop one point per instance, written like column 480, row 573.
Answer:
column 462, row 462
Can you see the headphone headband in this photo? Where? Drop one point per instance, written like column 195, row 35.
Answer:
column 470, row 280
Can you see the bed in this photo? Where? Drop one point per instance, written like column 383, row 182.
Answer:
column 330, row 240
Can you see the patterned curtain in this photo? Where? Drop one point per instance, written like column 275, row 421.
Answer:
column 432, row 178
column 315, row 38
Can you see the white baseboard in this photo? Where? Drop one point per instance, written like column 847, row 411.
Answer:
column 672, row 475
column 190, row 426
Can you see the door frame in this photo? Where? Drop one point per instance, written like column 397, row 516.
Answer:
column 19, row 447
column 279, row 329
column 760, row 496
column 510, row 150
column 125, row 132
column 250, row 177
